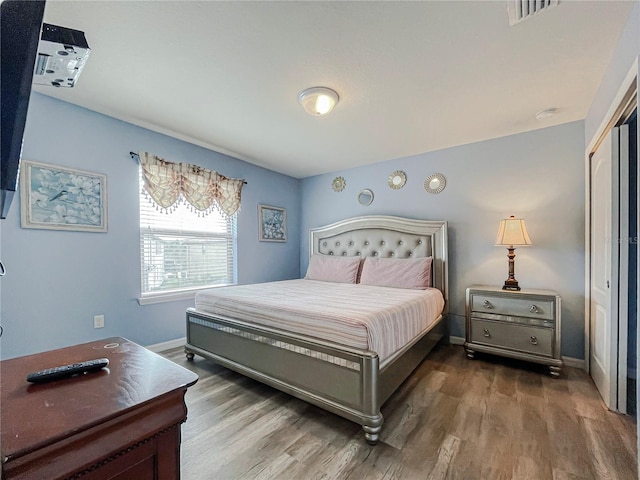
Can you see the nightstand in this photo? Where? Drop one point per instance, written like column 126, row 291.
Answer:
column 521, row 324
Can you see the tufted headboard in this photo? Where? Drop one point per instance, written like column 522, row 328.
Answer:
column 386, row 236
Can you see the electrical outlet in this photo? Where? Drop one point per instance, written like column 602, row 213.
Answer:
column 98, row 321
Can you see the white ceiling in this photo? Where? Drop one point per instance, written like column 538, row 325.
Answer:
column 412, row 77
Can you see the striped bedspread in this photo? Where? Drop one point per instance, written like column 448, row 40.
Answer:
column 380, row 319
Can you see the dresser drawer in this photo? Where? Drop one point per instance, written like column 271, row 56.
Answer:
column 512, row 336
column 505, row 305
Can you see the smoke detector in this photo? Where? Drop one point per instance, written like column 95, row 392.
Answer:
column 62, row 53
column 549, row 112
column 520, row 10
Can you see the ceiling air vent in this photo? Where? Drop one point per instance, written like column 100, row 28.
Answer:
column 520, row 10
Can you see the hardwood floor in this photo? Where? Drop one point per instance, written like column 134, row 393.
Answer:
column 454, row 418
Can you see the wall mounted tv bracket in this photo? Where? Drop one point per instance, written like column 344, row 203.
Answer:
column 62, row 53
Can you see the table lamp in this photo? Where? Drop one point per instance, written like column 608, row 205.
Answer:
column 512, row 233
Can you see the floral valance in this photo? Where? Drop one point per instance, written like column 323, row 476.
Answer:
column 168, row 183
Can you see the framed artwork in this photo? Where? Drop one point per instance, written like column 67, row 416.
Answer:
column 58, row 198
column 272, row 223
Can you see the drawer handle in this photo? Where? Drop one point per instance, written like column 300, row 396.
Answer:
column 487, row 304
column 533, row 340
column 534, row 309
column 486, row 332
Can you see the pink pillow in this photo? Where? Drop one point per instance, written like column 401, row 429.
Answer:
column 329, row 268
column 397, row 272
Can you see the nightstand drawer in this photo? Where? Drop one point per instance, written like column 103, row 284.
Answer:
column 522, row 338
column 523, row 307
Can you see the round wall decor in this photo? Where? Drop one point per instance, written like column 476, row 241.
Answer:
column 338, row 184
column 435, row 183
column 365, row 197
column 397, row 180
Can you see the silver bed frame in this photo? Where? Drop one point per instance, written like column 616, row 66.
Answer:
column 345, row 381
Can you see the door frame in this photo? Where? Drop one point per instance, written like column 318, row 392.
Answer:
column 625, row 97
column 623, row 272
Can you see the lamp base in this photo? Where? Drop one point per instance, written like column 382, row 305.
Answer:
column 511, row 284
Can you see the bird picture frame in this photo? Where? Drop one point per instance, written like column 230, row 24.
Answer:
column 61, row 198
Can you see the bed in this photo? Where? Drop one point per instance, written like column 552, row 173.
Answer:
column 262, row 332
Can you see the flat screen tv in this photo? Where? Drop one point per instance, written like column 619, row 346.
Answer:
column 20, row 25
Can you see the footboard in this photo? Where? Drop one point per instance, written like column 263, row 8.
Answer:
column 341, row 380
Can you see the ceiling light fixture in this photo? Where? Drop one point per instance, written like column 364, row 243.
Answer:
column 542, row 114
column 318, row 100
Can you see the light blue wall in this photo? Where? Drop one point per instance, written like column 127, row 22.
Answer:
column 537, row 175
column 58, row 280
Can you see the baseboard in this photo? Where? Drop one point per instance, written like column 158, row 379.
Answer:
column 573, row 362
column 456, row 340
column 164, row 346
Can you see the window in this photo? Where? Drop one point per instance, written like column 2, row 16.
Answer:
column 182, row 250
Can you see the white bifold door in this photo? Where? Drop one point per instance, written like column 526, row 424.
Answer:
column 608, row 271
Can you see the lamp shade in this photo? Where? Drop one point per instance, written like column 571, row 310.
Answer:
column 512, row 232
column 318, row 100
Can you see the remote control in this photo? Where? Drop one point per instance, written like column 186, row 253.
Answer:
column 64, row 371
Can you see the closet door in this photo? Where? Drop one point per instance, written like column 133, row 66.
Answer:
column 604, row 334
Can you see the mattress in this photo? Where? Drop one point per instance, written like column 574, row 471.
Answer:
column 366, row 317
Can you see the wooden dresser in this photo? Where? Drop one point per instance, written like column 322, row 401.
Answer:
column 122, row 422
column 522, row 324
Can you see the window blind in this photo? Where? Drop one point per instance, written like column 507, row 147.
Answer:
column 182, row 251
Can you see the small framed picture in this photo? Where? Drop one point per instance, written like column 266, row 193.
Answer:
column 58, row 198
column 272, row 222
